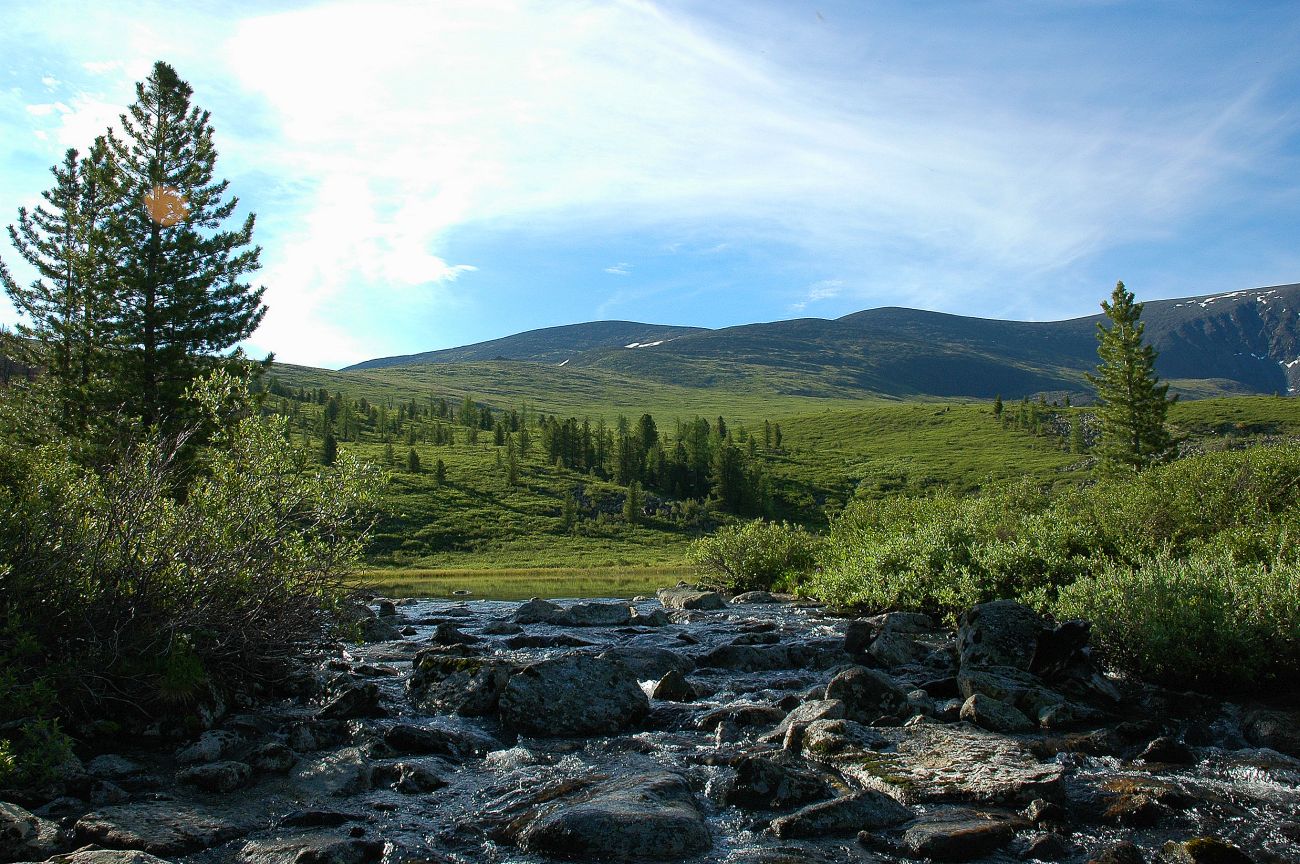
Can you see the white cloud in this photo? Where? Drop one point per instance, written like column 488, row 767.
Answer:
column 102, row 67
column 622, row 268
column 50, row 82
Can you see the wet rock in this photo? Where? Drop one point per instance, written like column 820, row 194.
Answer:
column 91, row 855
column 1000, row 633
column 867, row 694
column 960, row 834
column 755, row 597
column 649, row 664
column 770, row 658
column 775, row 783
column 105, row 792
column 862, row 811
column 212, row 746
column 159, row 827
column 1040, row 810
column 572, row 695
column 1168, row 750
column 1137, row 802
column 385, row 608
column 319, row 818
column 1137, row 810
column 1202, row 850
column 1004, row 683
column 538, row 611
column 740, row 714
column 651, row 817
column 674, row 687
column 818, row 709
column 546, row 640
column 344, row 772
column 1124, row 852
column 18, row 830
column 110, row 766
column 314, row 848
column 595, row 615
column 1276, row 730
column 352, row 702
column 934, row 763
column 1047, row 847
column 989, row 713
column 438, row 738
column 653, row 618
column 893, row 648
column 501, row 628
column 449, row 633
column 1060, row 650
column 408, row 778
column 686, row 597
column 273, row 758
column 216, row 776
column 451, row 681
column 378, row 630
column 858, row 635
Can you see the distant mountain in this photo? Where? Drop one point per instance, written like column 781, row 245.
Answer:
column 548, row 345
column 1239, row 342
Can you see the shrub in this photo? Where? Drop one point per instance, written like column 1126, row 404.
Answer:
column 132, row 590
column 1206, row 620
column 755, row 556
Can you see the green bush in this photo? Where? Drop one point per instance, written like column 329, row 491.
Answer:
column 1206, row 620
column 755, row 556
column 134, row 589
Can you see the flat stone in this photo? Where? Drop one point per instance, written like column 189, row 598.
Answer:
column 646, row 663
column 343, row 772
column 438, row 738
column 573, row 695
column 159, row 827
column 652, row 817
column 755, row 597
column 595, row 615
column 312, row 848
column 1202, row 850
column 988, row 713
column 817, row 709
column 685, row 597
column 862, row 811
column 352, row 702
column 960, row 835
column 212, row 746
column 1276, row 730
column 106, row 856
column 18, row 828
column 931, row 763
column 216, row 776
column 110, row 766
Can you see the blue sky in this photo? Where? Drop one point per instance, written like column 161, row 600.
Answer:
column 433, row 174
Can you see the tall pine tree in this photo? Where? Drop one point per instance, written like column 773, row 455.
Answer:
column 183, row 304
column 1133, row 404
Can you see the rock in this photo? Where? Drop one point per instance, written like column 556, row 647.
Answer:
column 1040, row 810
column 595, row 615
column 762, row 658
column 314, row 848
column 988, row 713
column 1047, row 847
column 651, row 817
column 674, row 687
column 653, row 618
column 438, row 738
column 1123, row 852
column 1168, row 750
column 378, row 630
column 932, row 763
column 212, row 746
column 1276, row 730
column 573, row 695
column 740, row 714
column 867, row 694
column 344, row 772
column 1136, row 810
column 273, row 758
column 447, row 681
column 538, row 611
column 216, row 776
column 1004, row 683
column 319, row 818
column 385, row 608
column 158, row 827
column 649, row 664
column 817, row 709
column 862, row 811
column 755, row 597
column 18, row 829
column 686, row 597
column 105, row 792
column 90, row 855
column 449, row 633
column 1061, row 649
column 408, row 778
column 546, row 640
column 1202, row 850
column 892, row 648
column 1000, row 633
column 352, row 702
column 858, row 635
column 775, row 783
column 959, row 835
column 110, row 766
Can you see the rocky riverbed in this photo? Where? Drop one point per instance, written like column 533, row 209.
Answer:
column 690, row 727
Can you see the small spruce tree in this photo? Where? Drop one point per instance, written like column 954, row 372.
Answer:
column 1132, row 405
column 413, row 461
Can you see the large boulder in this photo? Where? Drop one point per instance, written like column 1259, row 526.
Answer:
column 18, row 830
column 455, row 680
column 652, row 817
column 810, row 654
column 343, row 772
column 686, row 597
column 159, row 827
column 1000, row 633
column 868, row 694
column 647, row 663
column 538, row 611
column 573, row 695
column 867, row 810
column 440, row 737
column 775, row 782
column 216, row 776
column 1276, row 730
column 595, row 615
column 960, row 834
column 932, row 763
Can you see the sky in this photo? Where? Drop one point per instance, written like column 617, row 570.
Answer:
column 432, row 174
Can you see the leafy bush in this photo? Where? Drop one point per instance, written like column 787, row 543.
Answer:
column 755, row 556
column 134, row 589
column 1203, row 620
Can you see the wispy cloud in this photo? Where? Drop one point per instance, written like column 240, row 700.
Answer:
column 622, row 268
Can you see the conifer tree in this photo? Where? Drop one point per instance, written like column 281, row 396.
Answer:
column 1132, row 404
column 413, row 462
column 439, row 473
column 182, row 302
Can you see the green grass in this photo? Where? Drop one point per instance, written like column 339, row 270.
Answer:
column 522, row 584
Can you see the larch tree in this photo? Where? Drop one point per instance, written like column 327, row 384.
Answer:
column 1132, row 403
column 183, row 304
